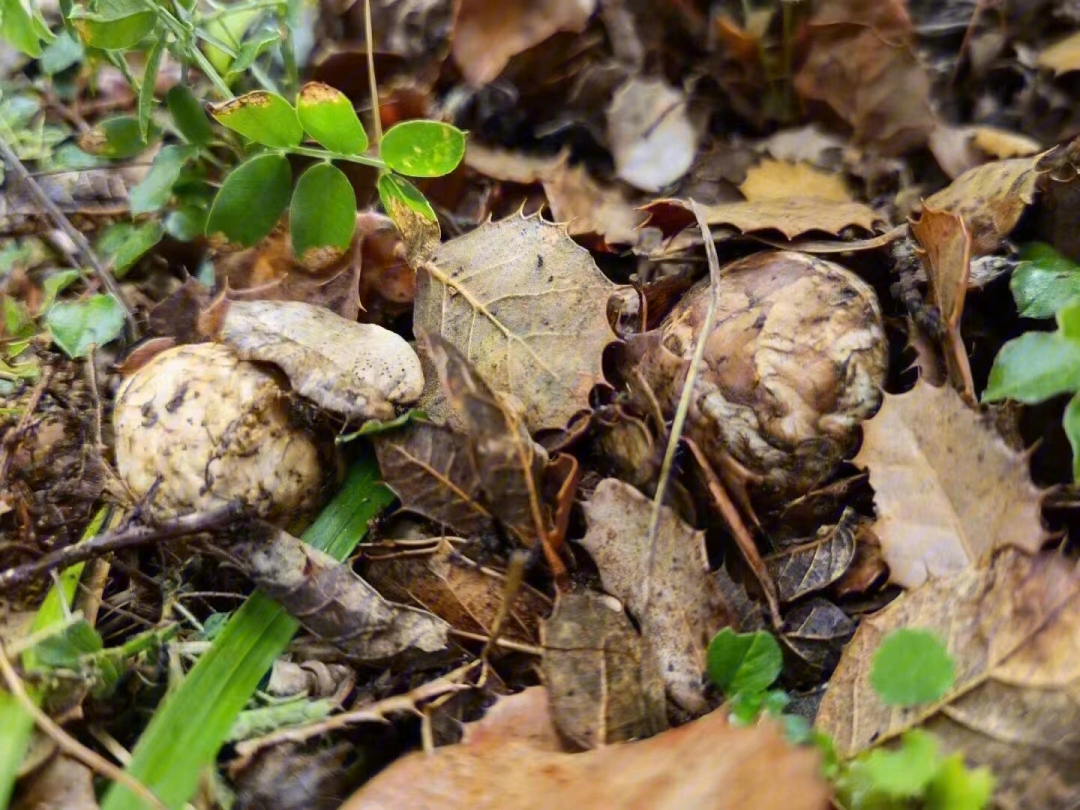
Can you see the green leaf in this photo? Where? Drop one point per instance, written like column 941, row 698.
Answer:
column 186, row 223
column 156, row 188
column 22, row 25
column 135, row 246
column 251, row 200
column 116, row 138
column 263, row 117
column 903, row 773
column 193, row 722
column 911, row 667
column 78, row 325
column 229, row 30
column 1068, row 320
column 423, row 148
column 17, row 321
column 64, row 52
column 323, row 211
column 56, row 284
column 397, row 193
column 1071, row 422
column 149, row 80
column 187, row 113
column 252, row 48
column 743, row 663
column 1043, row 280
column 1034, row 367
column 328, row 116
column 67, row 645
column 956, row 788
column 116, row 26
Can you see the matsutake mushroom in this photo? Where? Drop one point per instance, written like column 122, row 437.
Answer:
column 795, row 360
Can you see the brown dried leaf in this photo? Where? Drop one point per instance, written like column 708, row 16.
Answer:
column 512, row 758
column 774, row 180
column 430, row 468
column 809, row 567
column 488, row 32
column 814, row 633
column 1013, row 629
column 63, row 782
column 527, row 307
column 869, row 46
column 461, row 593
column 791, row 216
column 990, row 198
column 650, row 134
column 946, row 255
column 601, row 687
column 331, row 601
column 687, row 606
column 867, row 570
column 359, row 370
column 949, row 491
column 1063, row 56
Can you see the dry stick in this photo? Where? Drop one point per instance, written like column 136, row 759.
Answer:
column 515, row 577
column 64, row 224
column 119, row 539
column 68, row 744
column 369, row 39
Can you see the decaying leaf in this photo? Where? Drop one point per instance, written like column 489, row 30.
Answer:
column 687, row 606
column 949, row 491
column 359, row 370
column 331, row 601
column 63, row 782
column 527, row 307
column 512, row 758
column 946, row 255
column 791, row 216
column 457, row 590
column 650, row 133
column 862, row 63
column 813, row 634
column 601, row 687
column 1013, row 629
column 809, row 567
column 429, row 467
column 775, row 179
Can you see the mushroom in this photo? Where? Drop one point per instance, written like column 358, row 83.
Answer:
column 795, row 360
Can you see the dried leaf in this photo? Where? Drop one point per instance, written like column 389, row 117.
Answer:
column 430, row 468
column 527, row 307
column 867, row 570
column 63, row 782
column 488, row 32
column 792, row 216
column 949, row 491
column 869, row 46
column 601, row 687
column 1063, row 56
column 803, row 569
column 1013, row 629
column 687, row 605
column 774, row 180
column 946, row 255
column 512, row 758
column 359, row 370
column 813, row 634
column 650, row 134
column 458, row 591
column 331, row 601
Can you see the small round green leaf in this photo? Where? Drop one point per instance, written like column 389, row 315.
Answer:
column 78, row 325
column 186, row 223
column 413, row 215
column 1034, row 367
column 743, row 663
column 64, row 52
column 116, row 138
column 323, row 212
column 22, row 25
column 115, row 31
column 251, row 200
column 328, row 117
column 263, row 117
column 911, row 667
column 423, row 148
column 187, row 113
column 156, row 188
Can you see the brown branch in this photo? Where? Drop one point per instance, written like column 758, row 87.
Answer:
column 119, row 539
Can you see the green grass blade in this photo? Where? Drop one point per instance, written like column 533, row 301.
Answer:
column 16, row 725
column 190, row 726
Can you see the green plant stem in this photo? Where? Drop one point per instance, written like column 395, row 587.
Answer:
column 239, row 8
column 326, row 155
column 183, row 31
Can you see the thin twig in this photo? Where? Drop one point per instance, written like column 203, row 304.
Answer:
column 515, row 577
column 68, row 744
column 376, row 122
column 64, row 224
column 119, row 539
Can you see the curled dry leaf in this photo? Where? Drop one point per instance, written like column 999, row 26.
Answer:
column 601, row 686
column 687, row 604
column 512, row 758
column 457, row 590
column 331, row 601
column 809, row 567
column 358, row 370
column 948, row 490
column 791, row 216
column 527, row 307
column 813, row 635
column 1013, row 630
